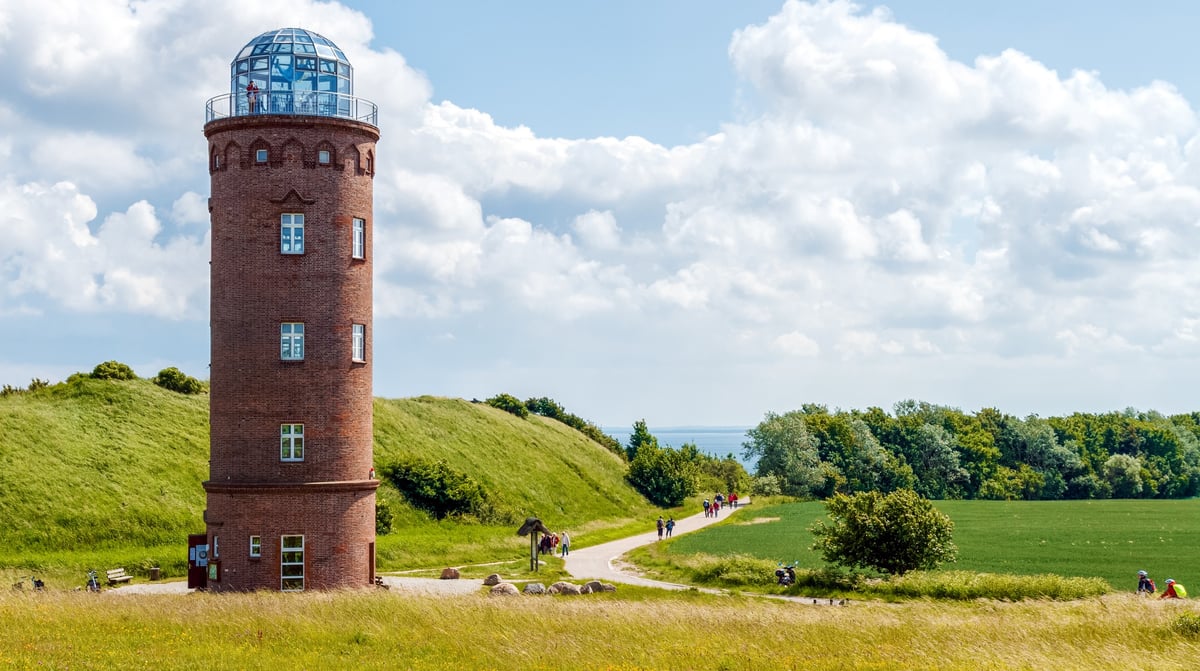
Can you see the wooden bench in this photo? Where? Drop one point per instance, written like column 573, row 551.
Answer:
column 117, row 576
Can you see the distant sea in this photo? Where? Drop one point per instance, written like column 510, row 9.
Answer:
column 719, row 441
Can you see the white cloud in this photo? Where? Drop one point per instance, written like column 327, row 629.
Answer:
column 886, row 201
column 598, row 229
column 795, row 343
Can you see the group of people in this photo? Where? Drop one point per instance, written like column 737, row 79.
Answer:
column 665, row 527
column 550, row 542
column 711, row 508
column 1147, row 587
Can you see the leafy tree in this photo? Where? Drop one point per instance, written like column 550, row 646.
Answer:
column 176, row 380
column 113, row 370
column 1124, row 474
column 509, row 403
column 783, row 447
column 641, row 436
column 892, row 533
column 936, row 464
column 664, row 476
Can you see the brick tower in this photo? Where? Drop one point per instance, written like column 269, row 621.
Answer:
column 291, row 154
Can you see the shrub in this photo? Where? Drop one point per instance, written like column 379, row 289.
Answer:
column 113, row 370
column 1187, row 624
column 766, row 485
column 509, row 403
column 383, row 518
column 893, row 533
column 176, row 380
column 438, row 489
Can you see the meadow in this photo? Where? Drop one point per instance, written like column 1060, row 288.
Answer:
column 1108, row 539
column 631, row 629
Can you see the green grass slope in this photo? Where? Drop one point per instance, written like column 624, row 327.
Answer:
column 97, row 465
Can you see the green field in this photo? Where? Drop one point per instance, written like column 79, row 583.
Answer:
column 1110, row 539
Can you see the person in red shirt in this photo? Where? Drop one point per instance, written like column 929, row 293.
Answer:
column 1173, row 591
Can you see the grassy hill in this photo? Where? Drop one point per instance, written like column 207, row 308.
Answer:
column 112, row 471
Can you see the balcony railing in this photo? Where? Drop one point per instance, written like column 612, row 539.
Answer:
column 310, row 103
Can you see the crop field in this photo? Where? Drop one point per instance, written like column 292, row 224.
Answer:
column 1110, row 539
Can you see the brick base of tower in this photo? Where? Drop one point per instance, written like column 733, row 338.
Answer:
column 336, row 521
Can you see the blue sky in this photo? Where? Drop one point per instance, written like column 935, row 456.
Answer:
column 692, row 213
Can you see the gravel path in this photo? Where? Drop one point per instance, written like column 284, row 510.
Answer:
column 602, row 561
column 599, row 562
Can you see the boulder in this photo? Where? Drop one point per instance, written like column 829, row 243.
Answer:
column 504, row 589
column 493, row 579
column 534, row 588
column 561, row 587
column 450, row 574
column 595, row 587
column 585, row 589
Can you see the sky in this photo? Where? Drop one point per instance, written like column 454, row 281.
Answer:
column 692, row 213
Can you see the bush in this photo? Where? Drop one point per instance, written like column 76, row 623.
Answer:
column 893, row 533
column 113, row 370
column 1187, row 624
column 766, row 485
column 438, row 489
column 383, row 518
column 176, row 380
column 662, row 475
column 509, row 403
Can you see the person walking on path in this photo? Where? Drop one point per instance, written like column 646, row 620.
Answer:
column 670, row 526
column 661, row 525
column 707, row 507
column 564, row 541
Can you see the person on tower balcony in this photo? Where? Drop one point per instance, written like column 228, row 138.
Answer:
column 252, row 97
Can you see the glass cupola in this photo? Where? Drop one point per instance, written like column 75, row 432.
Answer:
column 291, row 71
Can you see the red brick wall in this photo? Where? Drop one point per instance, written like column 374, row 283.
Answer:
column 338, row 526
column 254, row 289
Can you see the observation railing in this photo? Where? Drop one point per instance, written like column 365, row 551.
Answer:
column 311, row 103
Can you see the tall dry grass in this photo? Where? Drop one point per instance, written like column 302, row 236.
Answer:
column 631, row 629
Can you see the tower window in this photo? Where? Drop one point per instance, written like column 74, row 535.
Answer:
column 358, row 347
column 291, row 563
column 260, row 155
column 359, row 246
column 323, row 157
column 291, row 233
column 370, row 164
column 291, row 341
column 291, row 442
column 216, row 161
column 256, row 546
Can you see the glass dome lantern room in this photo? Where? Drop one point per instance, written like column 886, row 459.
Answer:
column 291, row 71
column 292, row 59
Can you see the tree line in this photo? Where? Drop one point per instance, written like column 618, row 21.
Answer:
column 944, row 453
